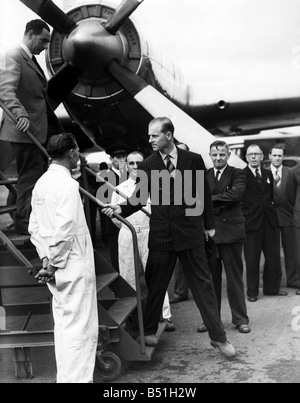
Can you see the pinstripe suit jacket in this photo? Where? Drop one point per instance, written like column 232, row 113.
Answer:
column 170, row 228
column 23, row 89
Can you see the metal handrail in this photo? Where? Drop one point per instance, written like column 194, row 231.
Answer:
column 117, row 216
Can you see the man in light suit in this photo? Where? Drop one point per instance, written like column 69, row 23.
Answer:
column 228, row 186
column 262, row 228
column 285, row 211
column 174, row 232
column 23, row 89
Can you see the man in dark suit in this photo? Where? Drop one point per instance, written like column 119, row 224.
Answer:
column 285, row 211
column 228, row 186
column 176, row 230
column 23, row 89
column 293, row 194
column 262, row 228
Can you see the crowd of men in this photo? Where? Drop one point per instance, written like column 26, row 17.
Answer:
column 233, row 212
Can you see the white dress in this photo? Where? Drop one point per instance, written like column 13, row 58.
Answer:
column 59, row 231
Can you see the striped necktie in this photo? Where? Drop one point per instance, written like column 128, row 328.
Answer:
column 170, row 165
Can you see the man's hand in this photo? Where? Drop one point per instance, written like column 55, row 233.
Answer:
column 209, row 234
column 23, row 124
column 47, row 274
column 110, row 210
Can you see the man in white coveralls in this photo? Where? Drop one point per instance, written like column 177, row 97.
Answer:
column 59, row 231
column 141, row 223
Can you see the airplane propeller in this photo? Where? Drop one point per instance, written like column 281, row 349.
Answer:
column 51, row 14
column 123, row 12
column 94, row 49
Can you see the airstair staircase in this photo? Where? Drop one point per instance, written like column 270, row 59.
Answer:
column 116, row 302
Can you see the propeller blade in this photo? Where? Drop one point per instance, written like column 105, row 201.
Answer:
column 52, row 14
column 157, row 105
column 62, row 84
column 123, row 12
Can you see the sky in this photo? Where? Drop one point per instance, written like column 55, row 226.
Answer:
column 211, row 41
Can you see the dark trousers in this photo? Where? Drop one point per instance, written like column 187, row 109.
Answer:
column 231, row 256
column 265, row 240
column 181, row 289
column 160, row 268
column 113, row 244
column 289, row 248
column 297, row 251
column 31, row 166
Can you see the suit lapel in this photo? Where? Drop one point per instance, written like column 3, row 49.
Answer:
column 183, row 163
column 285, row 174
column 224, row 181
column 212, row 181
column 252, row 178
column 32, row 64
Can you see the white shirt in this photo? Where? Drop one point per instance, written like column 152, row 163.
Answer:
column 221, row 172
column 27, row 50
column 138, row 219
column 254, row 170
column 174, row 157
column 275, row 170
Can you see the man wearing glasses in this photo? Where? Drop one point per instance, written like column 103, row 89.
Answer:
column 262, row 228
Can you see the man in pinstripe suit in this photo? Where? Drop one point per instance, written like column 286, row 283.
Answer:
column 174, row 233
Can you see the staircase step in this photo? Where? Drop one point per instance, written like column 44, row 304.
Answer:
column 8, row 182
column 105, row 280
column 122, row 309
column 7, row 209
column 17, row 239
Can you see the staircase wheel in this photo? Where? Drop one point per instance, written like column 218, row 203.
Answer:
column 108, row 365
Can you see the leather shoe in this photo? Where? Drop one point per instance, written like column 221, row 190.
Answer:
column 226, row 348
column 176, row 300
column 298, row 292
column 252, row 299
column 170, row 327
column 245, row 329
column 202, row 329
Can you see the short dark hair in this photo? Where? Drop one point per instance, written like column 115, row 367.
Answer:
column 219, row 143
column 36, row 26
column 166, row 125
column 278, row 147
column 59, row 145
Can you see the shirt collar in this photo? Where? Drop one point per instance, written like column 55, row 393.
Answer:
column 221, row 170
column 116, row 171
column 59, row 168
column 255, row 169
column 173, row 154
column 27, row 50
column 274, row 170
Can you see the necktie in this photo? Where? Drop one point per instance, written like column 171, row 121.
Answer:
column 37, row 65
column 170, row 165
column 218, row 176
column 277, row 179
column 258, row 176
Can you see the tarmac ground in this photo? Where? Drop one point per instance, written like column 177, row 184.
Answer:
column 270, row 354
